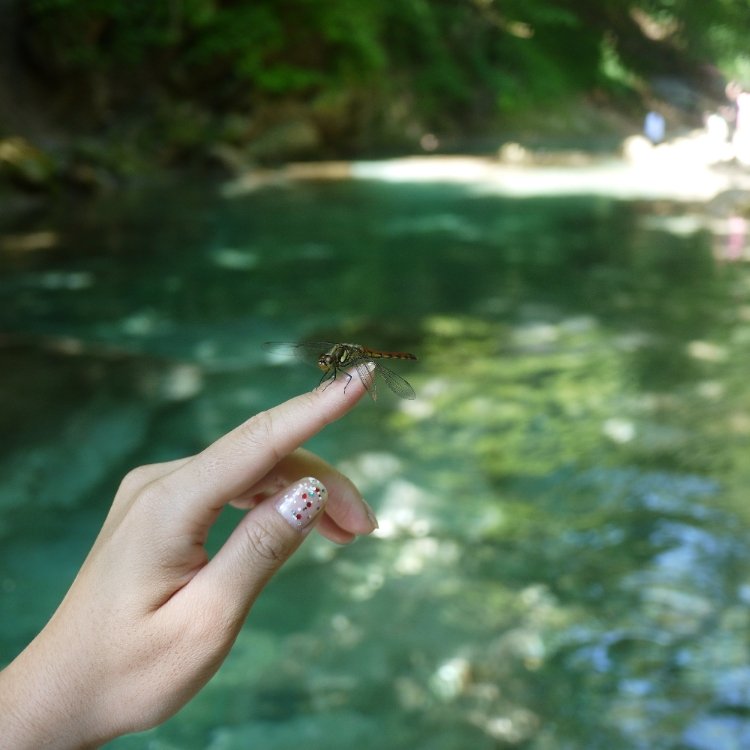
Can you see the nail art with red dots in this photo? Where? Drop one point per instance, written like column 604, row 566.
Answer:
column 302, row 502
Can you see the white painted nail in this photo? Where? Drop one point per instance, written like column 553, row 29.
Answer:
column 302, row 502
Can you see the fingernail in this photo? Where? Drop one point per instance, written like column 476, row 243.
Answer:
column 302, row 502
column 371, row 515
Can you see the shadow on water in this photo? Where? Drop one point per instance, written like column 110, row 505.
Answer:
column 561, row 560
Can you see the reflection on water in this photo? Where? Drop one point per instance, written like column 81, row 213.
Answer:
column 562, row 558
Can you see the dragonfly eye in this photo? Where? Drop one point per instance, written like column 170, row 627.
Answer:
column 325, row 362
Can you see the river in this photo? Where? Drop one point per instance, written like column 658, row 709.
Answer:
column 562, row 560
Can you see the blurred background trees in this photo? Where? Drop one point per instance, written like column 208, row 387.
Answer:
column 280, row 79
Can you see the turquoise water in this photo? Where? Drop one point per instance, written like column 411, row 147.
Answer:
column 562, row 560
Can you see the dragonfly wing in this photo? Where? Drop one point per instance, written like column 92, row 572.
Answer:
column 308, row 351
column 367, row 377
column 396, row 383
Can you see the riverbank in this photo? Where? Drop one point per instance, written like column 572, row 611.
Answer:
column 692, row 168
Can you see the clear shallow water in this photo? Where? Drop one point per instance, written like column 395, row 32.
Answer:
column 563, row 551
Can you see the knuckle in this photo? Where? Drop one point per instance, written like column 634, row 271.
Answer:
column 260, row 432
column 152, row 492
column 135, row 480
column 152, row 489
column 263, row 548
column 259, row 428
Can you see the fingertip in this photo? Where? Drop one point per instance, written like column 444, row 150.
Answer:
column 371, row 517
column 346, row 390
column 328, row 528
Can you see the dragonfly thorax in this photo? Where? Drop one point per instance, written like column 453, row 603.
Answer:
column 338, row 356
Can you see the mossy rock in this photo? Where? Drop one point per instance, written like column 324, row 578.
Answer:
column 25, row 165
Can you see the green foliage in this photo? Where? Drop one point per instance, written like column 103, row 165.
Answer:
column 461, row 66
column 276, row 47
column 713, row 30
column 99, row 33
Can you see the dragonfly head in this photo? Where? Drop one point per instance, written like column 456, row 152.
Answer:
column 326, row 362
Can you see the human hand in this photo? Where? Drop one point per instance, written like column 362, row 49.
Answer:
column 149, row 618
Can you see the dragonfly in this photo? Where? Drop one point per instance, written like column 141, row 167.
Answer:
column 339, row 359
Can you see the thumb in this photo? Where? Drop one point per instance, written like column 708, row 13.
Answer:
column 262, row 542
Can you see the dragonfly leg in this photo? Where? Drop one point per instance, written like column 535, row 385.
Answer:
column 326, row 377
column 345, row 374
column 332, row 375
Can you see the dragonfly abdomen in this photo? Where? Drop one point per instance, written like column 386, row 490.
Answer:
column 386, row 355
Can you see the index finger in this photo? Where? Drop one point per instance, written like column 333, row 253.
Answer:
column 221, row 472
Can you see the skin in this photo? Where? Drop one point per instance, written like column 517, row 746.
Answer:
column 149, row 618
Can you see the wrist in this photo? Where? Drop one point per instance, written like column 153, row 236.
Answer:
column 39, row 710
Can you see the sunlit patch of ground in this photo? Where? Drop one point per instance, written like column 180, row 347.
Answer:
column 691, row 168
